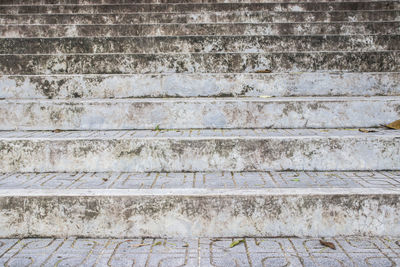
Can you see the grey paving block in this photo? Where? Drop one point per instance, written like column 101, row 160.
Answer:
column 109, row 251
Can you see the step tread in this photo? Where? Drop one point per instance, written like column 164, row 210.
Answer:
column 209, row 182
column 194, row 3
column 198, row 134
column 343, row 28
column 352, row 251
column 377, row 61
column 196, row 44
column 213, row 100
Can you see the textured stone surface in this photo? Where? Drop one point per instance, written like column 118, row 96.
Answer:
column 344, row 28
column 192, row 85
column 329, row 64
column 380, row 61
column 186, row 212
column 192, row 44
column 274, row 252
column 195, row 150
column 195, row 7
column 203, row 17
column 90, row 2
column 199, row 204
column 199, row 113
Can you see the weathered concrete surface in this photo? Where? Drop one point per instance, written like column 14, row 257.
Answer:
column 195, row 7
column 90, row 2
column 199, row 113
column 198, row 84
column 195, row 150
column 344, row 28
column 381, row 61
column 199, row 213
column 193, row 44
column 205, row 17
column 200, row 252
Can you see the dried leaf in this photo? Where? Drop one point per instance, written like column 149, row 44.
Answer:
column 327, row 244
column 157, row 243
column 367, row 130
column 185, row 245
column 264, row 71
column 57, row 131
column 265, row 96
column 394, row 125
column 235, row 243
column 105, row 179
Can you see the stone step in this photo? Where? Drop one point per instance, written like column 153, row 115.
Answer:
column 237, row 29
column 194, row 85
column 91, row 2
column 117, row 205
column 196, row 7
column 382, row 61
column 199, row 113
column 199, row 150
column 201, row 17
column 200, row 252
column 193, row 44
column 198, row 84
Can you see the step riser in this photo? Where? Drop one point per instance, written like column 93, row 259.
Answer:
column 193, row 85
column 231, row 213
column 88, row 2
column 93, row 9
column 198, row 114
column 358, row 152
column 231, row 17
column 193, row 44
column 203, row 63
column 17, row 31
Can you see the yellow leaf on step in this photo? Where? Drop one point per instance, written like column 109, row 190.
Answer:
column 394, row 125
column 235, row 243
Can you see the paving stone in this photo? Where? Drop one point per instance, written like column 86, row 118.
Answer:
column 100, row 252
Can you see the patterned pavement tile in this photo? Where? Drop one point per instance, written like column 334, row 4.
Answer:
column 240, row 180
column 350, row 251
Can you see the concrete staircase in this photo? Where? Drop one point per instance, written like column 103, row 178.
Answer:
column 204, row 119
